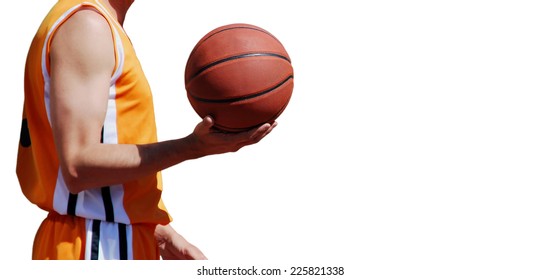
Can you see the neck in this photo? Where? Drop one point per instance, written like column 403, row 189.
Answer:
column 118, row 8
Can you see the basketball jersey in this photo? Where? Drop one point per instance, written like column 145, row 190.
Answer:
column 129, row 120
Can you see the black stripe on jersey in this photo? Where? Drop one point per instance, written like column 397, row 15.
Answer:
column 106, row 195
column 102, row 130
column 72, row 203
column 108, row 204
column 122, row 241
column 95, row 246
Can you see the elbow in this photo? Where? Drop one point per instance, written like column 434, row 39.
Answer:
column 72, row 179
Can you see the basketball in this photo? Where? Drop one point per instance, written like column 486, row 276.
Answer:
column 239, row 74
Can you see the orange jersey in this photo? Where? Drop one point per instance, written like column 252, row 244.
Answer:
column 129, row 120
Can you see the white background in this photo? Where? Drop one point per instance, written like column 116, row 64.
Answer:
column 411, row 148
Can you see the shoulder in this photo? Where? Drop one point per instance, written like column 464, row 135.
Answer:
column 87, row 23
column 86, row 34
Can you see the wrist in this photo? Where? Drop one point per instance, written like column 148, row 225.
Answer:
column 191, row 147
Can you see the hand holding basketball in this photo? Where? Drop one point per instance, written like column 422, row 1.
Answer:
column 207, row 140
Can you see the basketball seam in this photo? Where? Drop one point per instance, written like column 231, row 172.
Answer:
column 236, row 99
column 234, row 57
column 250, row 127
column 230, row 28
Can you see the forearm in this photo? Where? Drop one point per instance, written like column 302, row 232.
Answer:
column 100, row 165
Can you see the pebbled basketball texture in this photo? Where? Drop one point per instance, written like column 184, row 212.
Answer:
column 241, row 75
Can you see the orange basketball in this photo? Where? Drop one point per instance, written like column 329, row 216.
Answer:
column 241, row 75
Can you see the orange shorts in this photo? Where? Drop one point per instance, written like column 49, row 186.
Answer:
column 62, row 237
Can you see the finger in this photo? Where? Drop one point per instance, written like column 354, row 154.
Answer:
column 262, row 132
column 200, row 256
column 259, row 132
column 274, row 124
column 196, row 254
column 269, row 129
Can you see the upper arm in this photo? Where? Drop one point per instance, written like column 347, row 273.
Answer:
column 82, row 61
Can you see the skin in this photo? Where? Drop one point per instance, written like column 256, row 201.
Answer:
column 82, row 62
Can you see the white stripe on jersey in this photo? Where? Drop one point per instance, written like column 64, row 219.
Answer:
column 108, row 246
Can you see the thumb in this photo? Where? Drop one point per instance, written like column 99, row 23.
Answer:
column 207, row 122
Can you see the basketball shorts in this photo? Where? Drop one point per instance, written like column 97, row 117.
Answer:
column 62, row 237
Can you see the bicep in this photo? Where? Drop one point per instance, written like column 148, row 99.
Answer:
column 81, row 63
